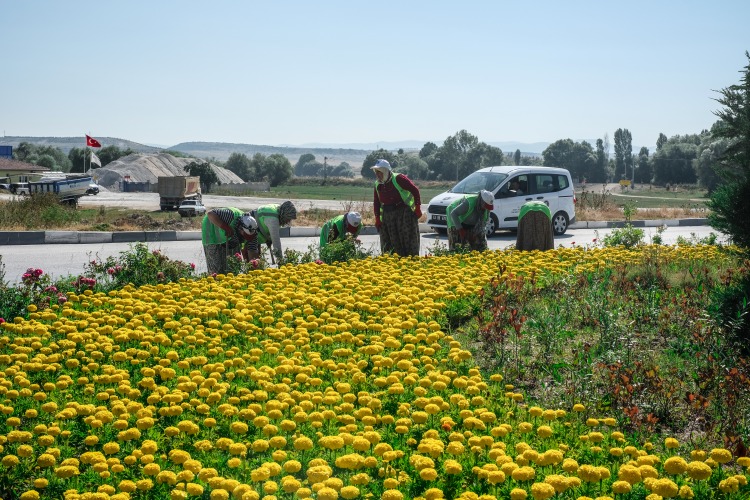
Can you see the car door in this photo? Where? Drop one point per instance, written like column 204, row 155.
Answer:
column 543, row 187
column 509, row 201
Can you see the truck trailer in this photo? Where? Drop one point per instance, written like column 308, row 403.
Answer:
column 67, row 189
column 174, row 190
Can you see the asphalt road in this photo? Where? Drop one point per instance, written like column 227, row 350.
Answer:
column 61, row 260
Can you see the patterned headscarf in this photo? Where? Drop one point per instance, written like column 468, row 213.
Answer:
column 287, row 213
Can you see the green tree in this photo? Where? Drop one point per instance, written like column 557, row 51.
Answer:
column 302, row 167
column 601, row 172
column 517, row 157
column 673, row 163
column 707, row 164
column 428, row 149
column 240, row 164
column 623, row 153
column 45, row 156
column 728, row 202
column 578, row 158
column 343, row 169
column 414, row 166
column 277, row 169
column 643, row 173
column 76, row 157
column 373, row 157
column 661, row 141
column 108, row 154
column 205, row 171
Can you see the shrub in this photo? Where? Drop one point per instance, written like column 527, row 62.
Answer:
column 137, row 266
column 627, row 236
column 343, row 251
column 729, row 306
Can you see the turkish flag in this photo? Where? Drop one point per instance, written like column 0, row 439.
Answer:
column 91, row 142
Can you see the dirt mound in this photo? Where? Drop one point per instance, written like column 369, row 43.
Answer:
column 144, row 222
column 144, row 167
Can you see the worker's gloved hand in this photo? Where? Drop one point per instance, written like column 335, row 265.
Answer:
column 418, row 212
column 462, row 233
column 378, row 223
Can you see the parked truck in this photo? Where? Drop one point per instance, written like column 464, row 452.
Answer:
column 174, row 190
column 68, row 189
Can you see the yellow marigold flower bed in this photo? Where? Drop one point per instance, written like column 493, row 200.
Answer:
column 312, row 381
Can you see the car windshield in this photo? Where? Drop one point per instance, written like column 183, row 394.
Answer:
column 478, row 181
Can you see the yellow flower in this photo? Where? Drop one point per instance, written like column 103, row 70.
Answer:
column 721, row 455
column 542, row 491
column 729, row 485
column 46, row 460
column 621, row 487
column 544, row 431
column 518, row 494
column 686, row 492
column 675, row 465
column 452, row 467
column 194, row 489
column 524, row 473
column 428, row 474
column 699, row 470
column 671, row 443
column 392, row 495
column 349, row 492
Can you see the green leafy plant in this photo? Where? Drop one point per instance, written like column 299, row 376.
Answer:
column 343, row 250
column 627, row 236
column 137, row 266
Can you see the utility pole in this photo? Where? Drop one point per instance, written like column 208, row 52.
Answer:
column 325, row 170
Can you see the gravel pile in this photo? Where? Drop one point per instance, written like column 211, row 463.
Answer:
column 144, row 167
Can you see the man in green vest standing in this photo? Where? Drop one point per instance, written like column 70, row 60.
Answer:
column 225, row 232
column 271, row 218
column 397, row 211
column 339, row 227
column 467, row 220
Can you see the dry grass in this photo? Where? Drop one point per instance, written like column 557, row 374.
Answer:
column 612, row 212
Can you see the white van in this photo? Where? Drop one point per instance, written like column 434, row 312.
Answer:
column 512, row 186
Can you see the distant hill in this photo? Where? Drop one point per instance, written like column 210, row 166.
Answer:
column 206, row 150
column 65, row 144
column 222, row 150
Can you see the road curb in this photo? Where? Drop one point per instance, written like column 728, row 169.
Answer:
column 95, row 237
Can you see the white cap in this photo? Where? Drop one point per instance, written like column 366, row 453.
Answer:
column 382, row 164
column 487, row 198
column 353, row 219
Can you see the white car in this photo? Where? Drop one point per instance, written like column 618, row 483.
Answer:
column 512, row 186
column 191, row 208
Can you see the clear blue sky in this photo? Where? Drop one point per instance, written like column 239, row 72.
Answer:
column 296, row 72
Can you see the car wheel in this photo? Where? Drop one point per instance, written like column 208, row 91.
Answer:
column 441, row 231
column 492, row 225
column 560, row 223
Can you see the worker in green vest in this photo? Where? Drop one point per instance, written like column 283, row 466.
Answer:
column 467, row 220
column 271, row 218
column 225, row 232
column 397, row 207
column 340, row 227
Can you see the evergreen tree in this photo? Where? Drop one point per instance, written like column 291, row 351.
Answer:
column 729, row 201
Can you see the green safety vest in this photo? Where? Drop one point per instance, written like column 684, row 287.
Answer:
column 534, row 206
column 212, row 234
column 339, row 223
column 472, row 199
column 405, row 195
column 272, row 210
